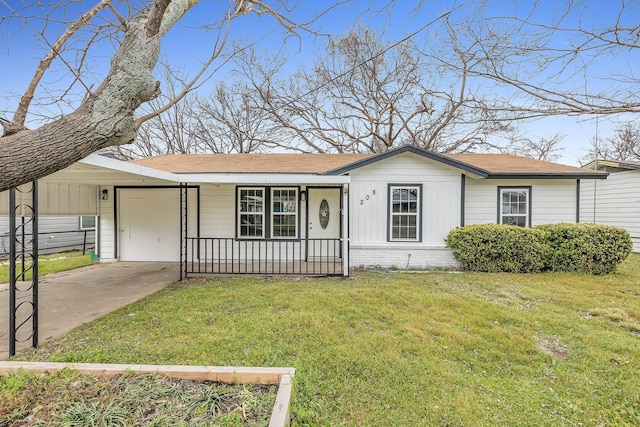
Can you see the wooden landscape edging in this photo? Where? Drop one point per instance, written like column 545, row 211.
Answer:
column 226, row 374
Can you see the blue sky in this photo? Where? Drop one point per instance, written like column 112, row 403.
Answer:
column 21, row 48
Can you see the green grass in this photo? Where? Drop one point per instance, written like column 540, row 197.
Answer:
column 401, row 349
column 52, row 263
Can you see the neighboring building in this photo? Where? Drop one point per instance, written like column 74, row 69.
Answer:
column 310, row 213
column 615, row 201
column 56, row 233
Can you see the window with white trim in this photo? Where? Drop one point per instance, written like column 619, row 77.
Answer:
column 251, row 212
column 514, row 206
column 404, row 212
column 284, row 212
column 87, row 222
column 268, row 212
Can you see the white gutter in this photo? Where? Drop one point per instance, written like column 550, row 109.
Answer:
column 122, row 166
column 213, row 178
column 262, row 178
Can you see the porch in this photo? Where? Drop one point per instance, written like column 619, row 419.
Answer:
column 312, row 257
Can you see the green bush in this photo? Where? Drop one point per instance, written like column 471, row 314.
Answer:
column 498, row 248
column 585, row 248
column 576, row 248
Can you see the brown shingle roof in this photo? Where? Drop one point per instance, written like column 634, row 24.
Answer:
column 493, row 164
column 508, row 164
column 250, row 162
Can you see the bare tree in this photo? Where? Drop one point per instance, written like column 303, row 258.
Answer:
column 228, row 122
column 105, row 116
column 364, row 95
column 569, row 58
column 623, row 145
column 490, row 63
column 547, row 149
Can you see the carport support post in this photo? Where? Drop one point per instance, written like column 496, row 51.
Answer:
column 12, row 272
column 184, row 188
column 13, row 275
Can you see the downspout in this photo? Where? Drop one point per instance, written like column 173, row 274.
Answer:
column 595, row 192
column 463, row 181
column 577, row 201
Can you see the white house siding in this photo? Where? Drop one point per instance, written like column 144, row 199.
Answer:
column 368, row 201
column 614, row 201
column 106, row 227
column 552, row 201
column 217, row 210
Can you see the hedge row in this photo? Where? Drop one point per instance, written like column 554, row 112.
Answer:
column 576, row 248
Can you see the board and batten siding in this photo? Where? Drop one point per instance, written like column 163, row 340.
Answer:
column 54, row 199
column 614, row 201
column 106, row 227
column 217, row 211
column 552, row 201
column 369, row 211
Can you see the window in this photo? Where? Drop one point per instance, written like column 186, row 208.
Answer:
column 284, row 212
column 251, row 212
column 266, row 212
column 404, row 212
column 514, row 206
column 87, row 222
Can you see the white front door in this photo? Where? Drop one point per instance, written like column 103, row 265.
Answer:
column 149, row 224
column 324, row 222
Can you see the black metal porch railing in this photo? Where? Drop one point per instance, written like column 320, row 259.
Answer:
column 213, row 255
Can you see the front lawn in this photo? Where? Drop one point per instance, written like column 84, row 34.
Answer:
column 52, row 263
column 401, row 349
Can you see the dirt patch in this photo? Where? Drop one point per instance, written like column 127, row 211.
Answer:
column 553, row 347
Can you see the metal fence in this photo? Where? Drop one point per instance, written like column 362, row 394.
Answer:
column 51, row 242
column 214, row 255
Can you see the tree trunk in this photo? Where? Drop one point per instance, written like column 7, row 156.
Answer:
column 105, row 117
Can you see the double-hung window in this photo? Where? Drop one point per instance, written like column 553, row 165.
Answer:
column 405, row 202
column 268, row 212
column 284, row 212
column 514, row 206
column 251, row 212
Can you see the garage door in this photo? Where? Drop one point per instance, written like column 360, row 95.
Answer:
column 149, row 224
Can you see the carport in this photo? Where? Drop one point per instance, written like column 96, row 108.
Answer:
column 81, row 189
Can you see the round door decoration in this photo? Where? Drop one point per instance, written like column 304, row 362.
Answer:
column 324, row 213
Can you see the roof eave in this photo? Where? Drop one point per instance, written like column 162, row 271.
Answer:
column 262, row 178
column 548, row 175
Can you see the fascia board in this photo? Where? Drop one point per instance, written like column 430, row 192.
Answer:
column 251, row 178
column 122, row 166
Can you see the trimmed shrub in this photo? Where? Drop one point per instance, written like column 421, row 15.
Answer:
column 575, row 248
column 496, row 248
column 585, row 248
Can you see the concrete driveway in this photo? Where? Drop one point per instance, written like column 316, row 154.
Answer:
column 75, row 297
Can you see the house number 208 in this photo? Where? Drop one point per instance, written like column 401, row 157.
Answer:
column 367, row 197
